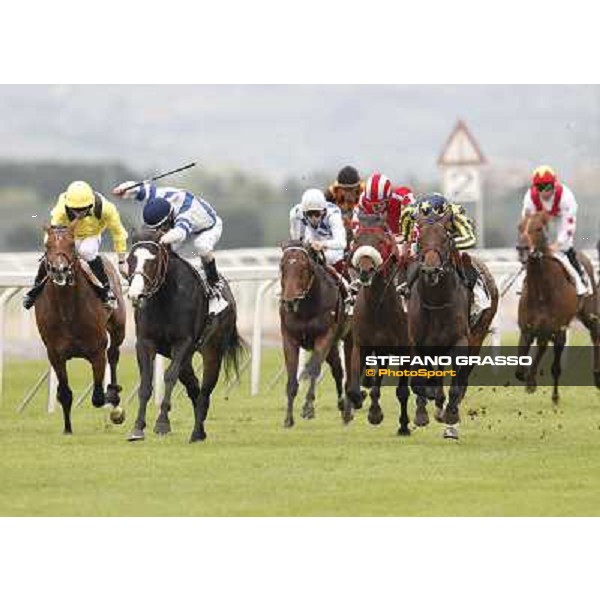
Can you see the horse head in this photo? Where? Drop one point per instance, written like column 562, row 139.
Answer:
column 435, row 249
column 297, row 274
column 147, row 264
column 533, row 238
column 60, row 255
column 372, row 247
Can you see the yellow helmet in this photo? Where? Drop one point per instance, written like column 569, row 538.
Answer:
column 79, row 194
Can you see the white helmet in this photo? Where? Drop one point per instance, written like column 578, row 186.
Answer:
column 313, row 199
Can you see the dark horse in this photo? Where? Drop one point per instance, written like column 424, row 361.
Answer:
column 73, row 322
column 549, row 303
column 312, row 317
column 438, row 319
column 379, row 317
column 172, row 319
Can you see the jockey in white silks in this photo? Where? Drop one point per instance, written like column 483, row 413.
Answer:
column 182, row 215
column 319, row 224
column 558, row 201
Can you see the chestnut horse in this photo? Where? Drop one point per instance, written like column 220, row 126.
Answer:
column 549, row 303
column 312, row 317
column 73, row 323
column 379, row 317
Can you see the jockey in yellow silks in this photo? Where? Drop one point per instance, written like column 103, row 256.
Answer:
column 93, row 214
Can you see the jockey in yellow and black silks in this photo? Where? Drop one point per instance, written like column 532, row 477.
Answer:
column 93, row 214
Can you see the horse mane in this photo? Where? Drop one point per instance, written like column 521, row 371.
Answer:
column 292, row 244
column 370, row 220
column 145, row 234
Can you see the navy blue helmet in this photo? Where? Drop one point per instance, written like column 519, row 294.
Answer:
column 156, row 212
column 433, row 205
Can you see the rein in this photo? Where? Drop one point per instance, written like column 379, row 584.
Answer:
column 155, row 283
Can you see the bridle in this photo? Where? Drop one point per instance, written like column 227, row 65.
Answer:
column 55, row 273
column 295, row 301
column 151, row 284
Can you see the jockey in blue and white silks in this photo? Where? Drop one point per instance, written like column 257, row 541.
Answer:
column 319, row 223
column 182, row 215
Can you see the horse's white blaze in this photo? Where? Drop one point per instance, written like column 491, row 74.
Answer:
column 369, row 252
column 137, row 283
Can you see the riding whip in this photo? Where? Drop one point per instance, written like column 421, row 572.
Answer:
column 510, row 282
column 184, row 168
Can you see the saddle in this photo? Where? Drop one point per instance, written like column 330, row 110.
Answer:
column 89, row 275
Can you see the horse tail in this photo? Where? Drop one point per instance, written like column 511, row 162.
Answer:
column 235, row 349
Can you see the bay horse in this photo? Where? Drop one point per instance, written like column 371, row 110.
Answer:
column 549, row 302
column 172, row 319
column 312, row 317
column 438, row 318
column 379, row 317
column 73, row 323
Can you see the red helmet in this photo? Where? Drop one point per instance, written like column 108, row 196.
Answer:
column 403, row 194
column 544, row 175
column 377, row 191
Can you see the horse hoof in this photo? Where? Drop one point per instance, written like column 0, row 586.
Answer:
column 340, row 404
column 375, row 417
column 197, row 436
column 137, row 435
column 530, row 388
column 288, row 422
column 438, row 415
column 450, row 433
column 451, row 417
column 555, row 398
column 404, row 431
column 347, row 417
column 162, row 427
column 308, row 412
column 117, row 415
column 67, row 432
column 98, row 399
column 421, row 417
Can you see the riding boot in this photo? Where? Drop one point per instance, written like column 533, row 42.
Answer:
column 38, row 285
column 216, row 302
column 572, row 256
column 106, row 294
column 471, row 275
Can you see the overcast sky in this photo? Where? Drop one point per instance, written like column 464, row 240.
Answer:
column 279, row 130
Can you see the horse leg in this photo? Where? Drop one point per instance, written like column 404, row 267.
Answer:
column 402, row 394
column 179, row 352
column 291, row 352
column 559, row 345
column 145, row 353
column 375, row 413
column 421, row 414
column 211, row 365
column 531, row 383
column 525, row 341
column 335, row 364
column 63, row 392
column 117, row 414
column 98, row 369
column 348, row 347
column 353, row 397
column 455, row 394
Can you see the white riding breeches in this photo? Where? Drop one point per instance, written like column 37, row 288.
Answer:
column 582, row 288
column 206, row 241
column 88, row 248
column 333, row 256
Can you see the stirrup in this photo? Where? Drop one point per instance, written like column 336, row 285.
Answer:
column 403, row 289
